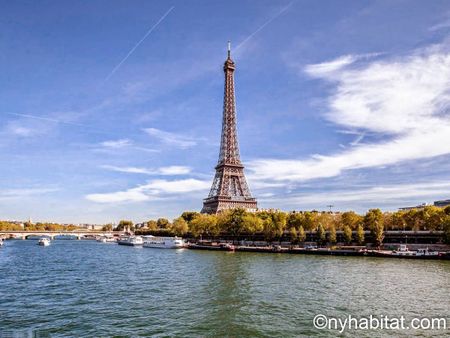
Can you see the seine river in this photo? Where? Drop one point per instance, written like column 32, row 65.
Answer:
column 89, row 289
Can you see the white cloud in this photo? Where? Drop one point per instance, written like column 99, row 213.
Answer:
column 170, row 170
column 21, row 131
column 405, row 102
column 130, row 195
column 174, row 170
column 173, row 139
column 178, row 186
column 23, row 128
column 29, row 125
column 7, row 194
column 445, row 23
column 152, row 190
column 326, row 68
column 441, row 25
column 117, row 144
column 130, row 170
column 426, row 191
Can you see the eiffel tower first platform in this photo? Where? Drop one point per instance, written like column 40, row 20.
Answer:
column 229, row 189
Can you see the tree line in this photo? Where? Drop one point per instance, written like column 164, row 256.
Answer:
column 274, row 224
column 27, row 226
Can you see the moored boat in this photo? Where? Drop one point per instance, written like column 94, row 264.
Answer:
column 130, row 241
column 106, row 239
column 44, row 242
column 213, row 246
column 163, row 242
column 402, row 251
column 426, row 253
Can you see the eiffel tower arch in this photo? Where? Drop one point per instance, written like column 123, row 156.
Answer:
column 229, row 188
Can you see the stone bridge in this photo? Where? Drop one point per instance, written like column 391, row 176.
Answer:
column 52, row 234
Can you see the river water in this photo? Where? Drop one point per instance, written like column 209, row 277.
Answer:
column 89, row 289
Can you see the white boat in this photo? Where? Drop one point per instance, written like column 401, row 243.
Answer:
column 1, row 242
column 44, row 242
column 404, row 251
column 426, row 252
column 106, row 239
column 163, row 242
column 130, row 241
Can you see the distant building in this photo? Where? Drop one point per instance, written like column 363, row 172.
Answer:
column 421, row 206
column 91, row 226
column 443, row 203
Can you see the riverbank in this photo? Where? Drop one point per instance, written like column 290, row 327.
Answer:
column 357, row 252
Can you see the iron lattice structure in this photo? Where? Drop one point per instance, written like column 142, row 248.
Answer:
column 229, row 189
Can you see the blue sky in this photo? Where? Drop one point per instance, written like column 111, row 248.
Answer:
column 339, row 102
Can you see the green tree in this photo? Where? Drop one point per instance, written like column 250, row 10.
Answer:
column 412, row 219
column 309, row 220
column 279, row 223
column 27, row 226
column 332, row 234
column 320, row 234
column 373, row 220
column 107, row 227
column 326, row 219
column 252, row 224
column 72, row 227
column 152, row 224
column 189, row 215
column 294, row 220
column 39, row 226
column 274, row 224
column 351, row 219
column 398, row 220
column 236, row 221
column 301, row 234
column 446, row 228
column 294, row 235
column 388, row 220
column 263, row 215
column 8, row 226
column 360, row 234
column 347, row 234
column 204, row 225
column 268, row 229
column 179, row 226
column 124, row 225
column 223, row 221
column 447, row 210
column 162, row 223
column 433, row 218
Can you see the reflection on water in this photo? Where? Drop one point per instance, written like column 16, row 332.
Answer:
column 85, row 288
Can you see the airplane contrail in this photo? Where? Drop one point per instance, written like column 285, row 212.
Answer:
column 263, row 25
column 42, row 118
column 46, row 119
column 137, row 44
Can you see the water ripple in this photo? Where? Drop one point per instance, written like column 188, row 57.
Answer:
column 90, row 289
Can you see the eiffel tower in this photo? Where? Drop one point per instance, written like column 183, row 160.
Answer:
column 229, row 189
